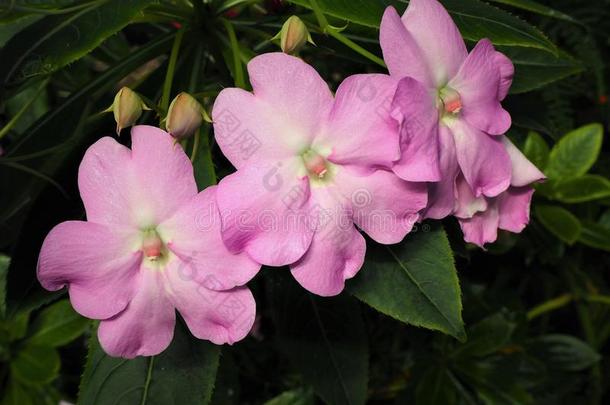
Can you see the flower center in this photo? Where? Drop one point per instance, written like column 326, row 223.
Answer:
column 315, row 164
column 152, row 245
column 452, row 103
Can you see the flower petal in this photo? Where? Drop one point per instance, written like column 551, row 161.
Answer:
column 507, row 71
column 437, row 36
column 146, row 326
column 400, row 51
column 442, row 194
column 384, row 206
column 478, row 83
column 138, row 188
column 467, row 204
column 193, row 234
column 524, row 172
column 98, row 265
column 482, row 228
column 361, row 130
column 483, row 159
column 419, row 139
column 218, row 316
column 261, row 211
column 337, row 250
column 514, row 207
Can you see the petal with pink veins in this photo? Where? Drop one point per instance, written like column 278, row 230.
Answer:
column 507, row 72
column 438, row 38
column 337, row 250
column 146, row 326
column 262, row 212
column 483, row 159
column 218, row 316
column 99, row 265
column 384, row 206
column 478, row 83
column 419, row 138
column 193, row 234
column 360, row 129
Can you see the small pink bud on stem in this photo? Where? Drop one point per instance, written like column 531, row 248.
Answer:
column 185, row 116
column 127, row 108
column 293, row 35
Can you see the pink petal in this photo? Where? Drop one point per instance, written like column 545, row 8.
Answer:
column 99, row 266
column 437, row 36
column 384, row 206
column 262, row 212
column 418, row 132
column 482, row 228
column 442, row 195
column 401, row 53
column 218, row 316
column 361, row 130
column 337, row 250
column 482, row 158
column 138, row 188
column 146, row 326
column 514, row 207
column 478, row 83
column 507, row 71
column 193, row 234
column 524, row 172
column 290, row 102
column 467, row 204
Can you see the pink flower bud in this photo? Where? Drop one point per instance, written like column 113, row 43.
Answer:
column 184, row 116
column 127, row 108
column 293, row 35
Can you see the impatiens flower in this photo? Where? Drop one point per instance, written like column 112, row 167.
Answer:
column 309, row 167
column 481, row 217
column 449, row 102
column 148, row 248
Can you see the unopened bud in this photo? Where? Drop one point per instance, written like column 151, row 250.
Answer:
column 293, row 35
column 127, row 108
column 184, row 116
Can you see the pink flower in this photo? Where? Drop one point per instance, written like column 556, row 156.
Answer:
column 309, row 167
column 481, row 217
column 148, row 247
column 450, row 104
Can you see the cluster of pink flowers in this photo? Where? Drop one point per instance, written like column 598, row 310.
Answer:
column 313, row 171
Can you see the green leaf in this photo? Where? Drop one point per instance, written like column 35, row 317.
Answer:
column 435, row 387
column 57, row 40
column 474, row 18
column 560, row 222
column 487, row 336
column 57, row 325
column 293, row 397
column 16, row 394
column 325, row 340
column 535, row 68
column 575, row 152
column 595, row 235
column 536, row 150
column 5, row 261
column 35, row 364
column 564, row 352
column 537, row 8
column 183, row 374
column 414, row 282
column 588, row 187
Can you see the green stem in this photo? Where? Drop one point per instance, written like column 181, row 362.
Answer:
column 171, row 67
column 27, row 105
column 237, row 65
column 34, row 10
column 550, row 305
column 196, row 137
column 151, row 364
column 322, row 21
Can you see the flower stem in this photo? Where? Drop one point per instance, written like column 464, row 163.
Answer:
column 238, row 69
column 171, row 67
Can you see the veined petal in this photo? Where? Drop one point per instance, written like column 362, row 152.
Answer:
column 438, row 38
column 482, row 228
column 401, row 52
column 262, row 212
column 419, row 137
column 218, row 316
column 99, row 266
column 146, row 326
column 360, row 129
column 384, row 206
column 514, row 208
column 193, row 235
column 467, row 204
column 337, row 250
column 442, row 194
column 524, row 172
column 478, row 82
column 482, row 158
column 507, row 71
